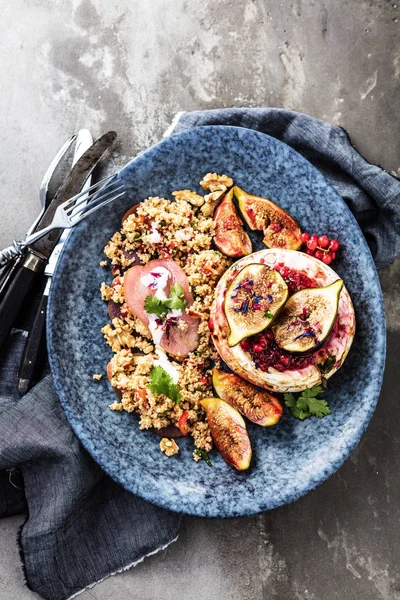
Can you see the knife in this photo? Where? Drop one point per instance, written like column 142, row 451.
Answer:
column 34, row 354
column 36, row 256
column 9, row 270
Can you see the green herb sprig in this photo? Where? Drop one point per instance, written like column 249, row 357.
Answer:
column 162, row 383
column 307, row 404
column 176, row 301
column 204, row 456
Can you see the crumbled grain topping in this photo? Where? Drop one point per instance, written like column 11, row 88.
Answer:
column 186, row 237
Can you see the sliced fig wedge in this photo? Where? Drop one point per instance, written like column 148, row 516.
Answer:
column 252, row 301
column 308, row 318
column 280, row 229
column 257, row 405
column 228, row 430
column 230, row 237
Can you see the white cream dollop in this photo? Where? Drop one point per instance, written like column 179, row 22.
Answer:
column 154, row 237
column 157, row 280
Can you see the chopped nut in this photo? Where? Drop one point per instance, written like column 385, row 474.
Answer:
column 97, row 376
column 169, row 447
column 103, row 263
column 214, row 182
column 211, row 202
column 189, row 196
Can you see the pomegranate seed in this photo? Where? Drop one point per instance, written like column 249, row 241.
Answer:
column 305, row 237
column 244, row 344
column 258, row 348
column 327, row 259
column 323, row 241
column 334, row 245
column 269, row 335
column 312, row 244
column 319, row 254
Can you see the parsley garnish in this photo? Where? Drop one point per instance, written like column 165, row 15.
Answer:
column 268, row 314
column 176, row 301
column 161, row 383
column 204, row 456
column 307, row 404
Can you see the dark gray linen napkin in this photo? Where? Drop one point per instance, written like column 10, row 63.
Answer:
column 82, row 526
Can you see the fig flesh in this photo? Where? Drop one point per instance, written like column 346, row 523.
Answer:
column 308, row 318
column 229, row 433
column 252, row 301
column 257, row 405
column 280, row 229
column 230, row 237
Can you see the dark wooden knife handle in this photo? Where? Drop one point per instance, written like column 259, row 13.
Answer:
column 35, row 349
column 19, row 287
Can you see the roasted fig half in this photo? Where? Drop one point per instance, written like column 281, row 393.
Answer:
column 308, row 318
column 230, row 237
column 280, row 229
column 255, row 404
column 228, row 430
column 253, row 299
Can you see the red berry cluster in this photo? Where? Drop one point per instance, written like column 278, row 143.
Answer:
column 320, row 247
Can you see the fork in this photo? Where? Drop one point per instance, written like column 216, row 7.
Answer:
column 70, row 213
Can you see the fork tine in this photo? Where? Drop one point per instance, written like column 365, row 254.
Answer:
column 97, row 197
column 73, row 200
column 79, row 209
column 76, row 218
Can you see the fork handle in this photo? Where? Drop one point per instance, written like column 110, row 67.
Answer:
column 18, row 289
column 11, row 252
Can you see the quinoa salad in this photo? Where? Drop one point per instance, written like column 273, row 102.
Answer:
column 181, row 229
column 206, row 333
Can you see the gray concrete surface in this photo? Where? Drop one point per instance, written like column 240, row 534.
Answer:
column 130, row 65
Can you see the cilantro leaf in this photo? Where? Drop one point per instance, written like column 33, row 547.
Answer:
column 307, row 404
column 204, row 456
column 161, row 383
column 268, row 314
column 290, row 400
column 176, row 301
column 318, row 407
column 313, row 392
column 176, row 298
column 155, row 306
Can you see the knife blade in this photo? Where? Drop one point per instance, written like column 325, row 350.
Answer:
column 34, row 355
column 9, row 270
column 36, row 256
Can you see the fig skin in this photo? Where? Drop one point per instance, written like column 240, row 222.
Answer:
column 260, row 407
column 170, row 431
column 280, row 229
column 228, row 431
column 114, row 310
column 230, row 237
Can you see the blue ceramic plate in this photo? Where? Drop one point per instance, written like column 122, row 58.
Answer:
column 289, row 459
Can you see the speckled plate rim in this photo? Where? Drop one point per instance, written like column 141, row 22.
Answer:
column 347, row 445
